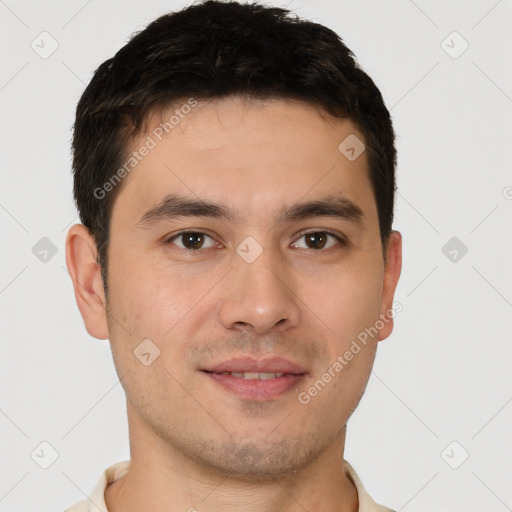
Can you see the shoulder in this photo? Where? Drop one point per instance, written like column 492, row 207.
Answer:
column 366, row 502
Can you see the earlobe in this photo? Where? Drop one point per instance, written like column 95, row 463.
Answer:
column 392, row 272
column 87, row 282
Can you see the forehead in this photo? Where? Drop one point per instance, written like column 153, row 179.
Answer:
column 247, row 154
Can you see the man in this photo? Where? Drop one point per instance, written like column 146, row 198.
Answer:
column 235, row 174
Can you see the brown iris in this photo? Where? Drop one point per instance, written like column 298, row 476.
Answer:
column 192, row 240
column 314, row 237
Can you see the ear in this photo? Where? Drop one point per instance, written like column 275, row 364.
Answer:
column 391, row 275
column 81, row 254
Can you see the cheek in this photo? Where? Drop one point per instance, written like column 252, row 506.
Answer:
column 147, row 298
column 151, row 301
column 346, row 300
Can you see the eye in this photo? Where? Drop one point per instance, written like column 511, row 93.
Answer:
column 318, row 239
column 191, row 240
column 195, row 240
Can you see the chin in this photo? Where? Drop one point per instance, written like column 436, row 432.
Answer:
column 249, row 461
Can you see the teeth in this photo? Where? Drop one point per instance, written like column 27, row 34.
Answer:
column 254, row 375
column 265, row 376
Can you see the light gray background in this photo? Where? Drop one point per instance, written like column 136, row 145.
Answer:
column 444, row 375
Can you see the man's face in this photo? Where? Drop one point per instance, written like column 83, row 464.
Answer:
column 255, row 294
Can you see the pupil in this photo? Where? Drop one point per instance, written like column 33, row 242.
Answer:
column 313, row 236
column 193, row 240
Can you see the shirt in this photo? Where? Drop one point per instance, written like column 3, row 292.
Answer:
column 96, row 500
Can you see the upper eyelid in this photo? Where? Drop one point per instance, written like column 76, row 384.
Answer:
column 325, row 230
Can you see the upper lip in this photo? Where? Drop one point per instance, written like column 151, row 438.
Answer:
column 249, row 364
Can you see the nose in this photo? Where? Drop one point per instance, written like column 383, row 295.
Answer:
column 259, row 296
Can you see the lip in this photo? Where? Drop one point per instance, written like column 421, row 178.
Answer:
column 249, row 364
column 256, row 389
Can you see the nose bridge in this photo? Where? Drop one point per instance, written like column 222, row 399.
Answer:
column 260, row 294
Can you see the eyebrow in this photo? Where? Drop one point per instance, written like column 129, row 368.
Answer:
column 175, row 206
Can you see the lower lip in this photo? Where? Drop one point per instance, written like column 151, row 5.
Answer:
column 257, row 389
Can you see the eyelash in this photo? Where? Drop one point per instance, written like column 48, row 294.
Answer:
column 342, row 241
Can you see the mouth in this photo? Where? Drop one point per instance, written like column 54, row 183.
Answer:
column 252, row 379
column 252, row 375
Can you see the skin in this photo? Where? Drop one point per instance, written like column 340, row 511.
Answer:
column 193, row 443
